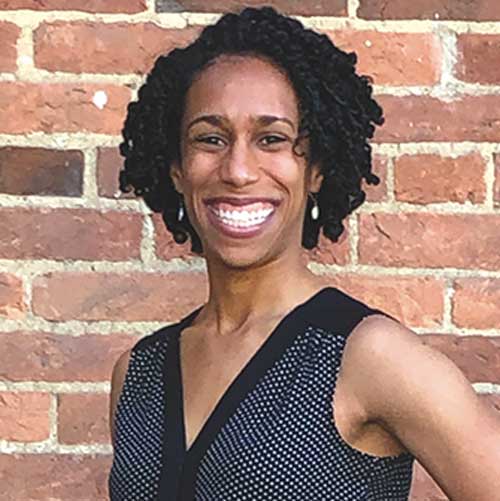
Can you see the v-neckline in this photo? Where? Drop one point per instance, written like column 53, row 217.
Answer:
column 175, row 453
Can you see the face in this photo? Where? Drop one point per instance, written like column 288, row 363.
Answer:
column 245, row 189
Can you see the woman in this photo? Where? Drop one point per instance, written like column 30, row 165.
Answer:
column 249, row 142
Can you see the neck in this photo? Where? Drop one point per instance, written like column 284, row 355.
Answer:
column 239, row 298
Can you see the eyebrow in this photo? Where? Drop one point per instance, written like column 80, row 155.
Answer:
column 219, row 120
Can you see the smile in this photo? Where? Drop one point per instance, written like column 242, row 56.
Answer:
column 244, row 221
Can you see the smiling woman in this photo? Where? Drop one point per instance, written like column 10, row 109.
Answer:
column 243, row 185
column 249, row 142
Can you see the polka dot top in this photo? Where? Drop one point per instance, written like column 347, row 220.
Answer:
column 270, row 437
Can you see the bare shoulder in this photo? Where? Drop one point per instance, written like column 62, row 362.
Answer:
column 120, row 370
column 117, row 379
column 376, row 347
column 424, row 400
column 381, row 351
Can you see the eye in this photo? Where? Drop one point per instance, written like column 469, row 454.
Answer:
column 210, row 140
column 271, row 139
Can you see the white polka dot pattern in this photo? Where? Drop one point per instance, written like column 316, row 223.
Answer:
column 280, row 443
column 136, row 468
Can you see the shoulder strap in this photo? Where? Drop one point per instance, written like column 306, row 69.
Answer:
column 340, row 312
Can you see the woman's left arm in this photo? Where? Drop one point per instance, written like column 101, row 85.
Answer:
column 420, row 396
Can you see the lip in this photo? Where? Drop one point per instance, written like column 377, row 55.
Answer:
column 240, row 201
column 235, row 232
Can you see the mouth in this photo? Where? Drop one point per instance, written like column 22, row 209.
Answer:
column 241, row 218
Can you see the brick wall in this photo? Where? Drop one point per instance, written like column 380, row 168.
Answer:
column 83, row 275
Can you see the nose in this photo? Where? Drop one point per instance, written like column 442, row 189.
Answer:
column 239, row 166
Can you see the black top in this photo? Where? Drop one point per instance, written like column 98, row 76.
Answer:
column 271, row 436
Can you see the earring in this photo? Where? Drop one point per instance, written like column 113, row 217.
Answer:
column 315, row 208
column 180, row 213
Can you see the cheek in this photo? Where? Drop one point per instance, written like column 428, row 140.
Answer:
column 290, row 173
column 197, row 168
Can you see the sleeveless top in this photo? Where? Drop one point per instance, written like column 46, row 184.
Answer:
column 272, row 434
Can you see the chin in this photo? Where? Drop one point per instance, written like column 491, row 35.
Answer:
column 239, row 258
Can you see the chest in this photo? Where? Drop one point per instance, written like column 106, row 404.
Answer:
column 270, row 426
column 209, row 372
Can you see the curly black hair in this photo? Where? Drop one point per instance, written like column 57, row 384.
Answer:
column 336, row 110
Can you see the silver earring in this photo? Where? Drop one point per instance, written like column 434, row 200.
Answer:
column 180, row 213
column 315, row 208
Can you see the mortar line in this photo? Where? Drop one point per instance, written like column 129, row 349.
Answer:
column 46, row 447
column 53, row 419
column 148, row 243
column 60, row 387
column 33, row 19
column 352, row 9
column 447, row 304
column 89, row 191
column 489, row 181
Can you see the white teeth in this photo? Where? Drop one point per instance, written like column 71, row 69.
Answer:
column 243, row 215
column 241, row 224
column 242, row 218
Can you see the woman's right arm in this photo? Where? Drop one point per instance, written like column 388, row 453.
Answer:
column 117, row 380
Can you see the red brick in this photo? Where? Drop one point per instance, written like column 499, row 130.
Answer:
column 41, row 356
column 115, row 6
column 475, row 302
column 478, row 61
column 77, row 427
column 393, row 58
column 51, row 477
column 298, row 7
column 84, row 46
column 11, row 296
column 496, row 186
column 328, row 252
column 430, row 240
column 61, row 107
column 377, row 193
column 165, row 246
column 24, row 417
column 40, row 171
column 69, row 234
column 112, row 296
column 478, row 357
column 423, row 179
column 109, row 164
column 473, row 10
column 414, row 301
column 424, row 118
column 9, row 33
column 423, row 487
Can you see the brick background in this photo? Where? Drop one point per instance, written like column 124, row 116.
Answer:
column 9, row 34
column 479, row 58
column 297, row 7
column 24, row 416
column 11, row 296
column 77, row 427
column 27, row 107
column 101, row 46
column 86, row 271
column 110, row 6
column 473, row 10
column 41, row 171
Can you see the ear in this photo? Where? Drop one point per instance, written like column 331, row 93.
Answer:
column 315, row 178
column 176, row 175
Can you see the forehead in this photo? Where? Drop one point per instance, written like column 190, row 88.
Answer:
column 242, row 86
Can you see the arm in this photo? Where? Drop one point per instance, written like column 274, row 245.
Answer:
column 117, row 380
column 422, row 398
